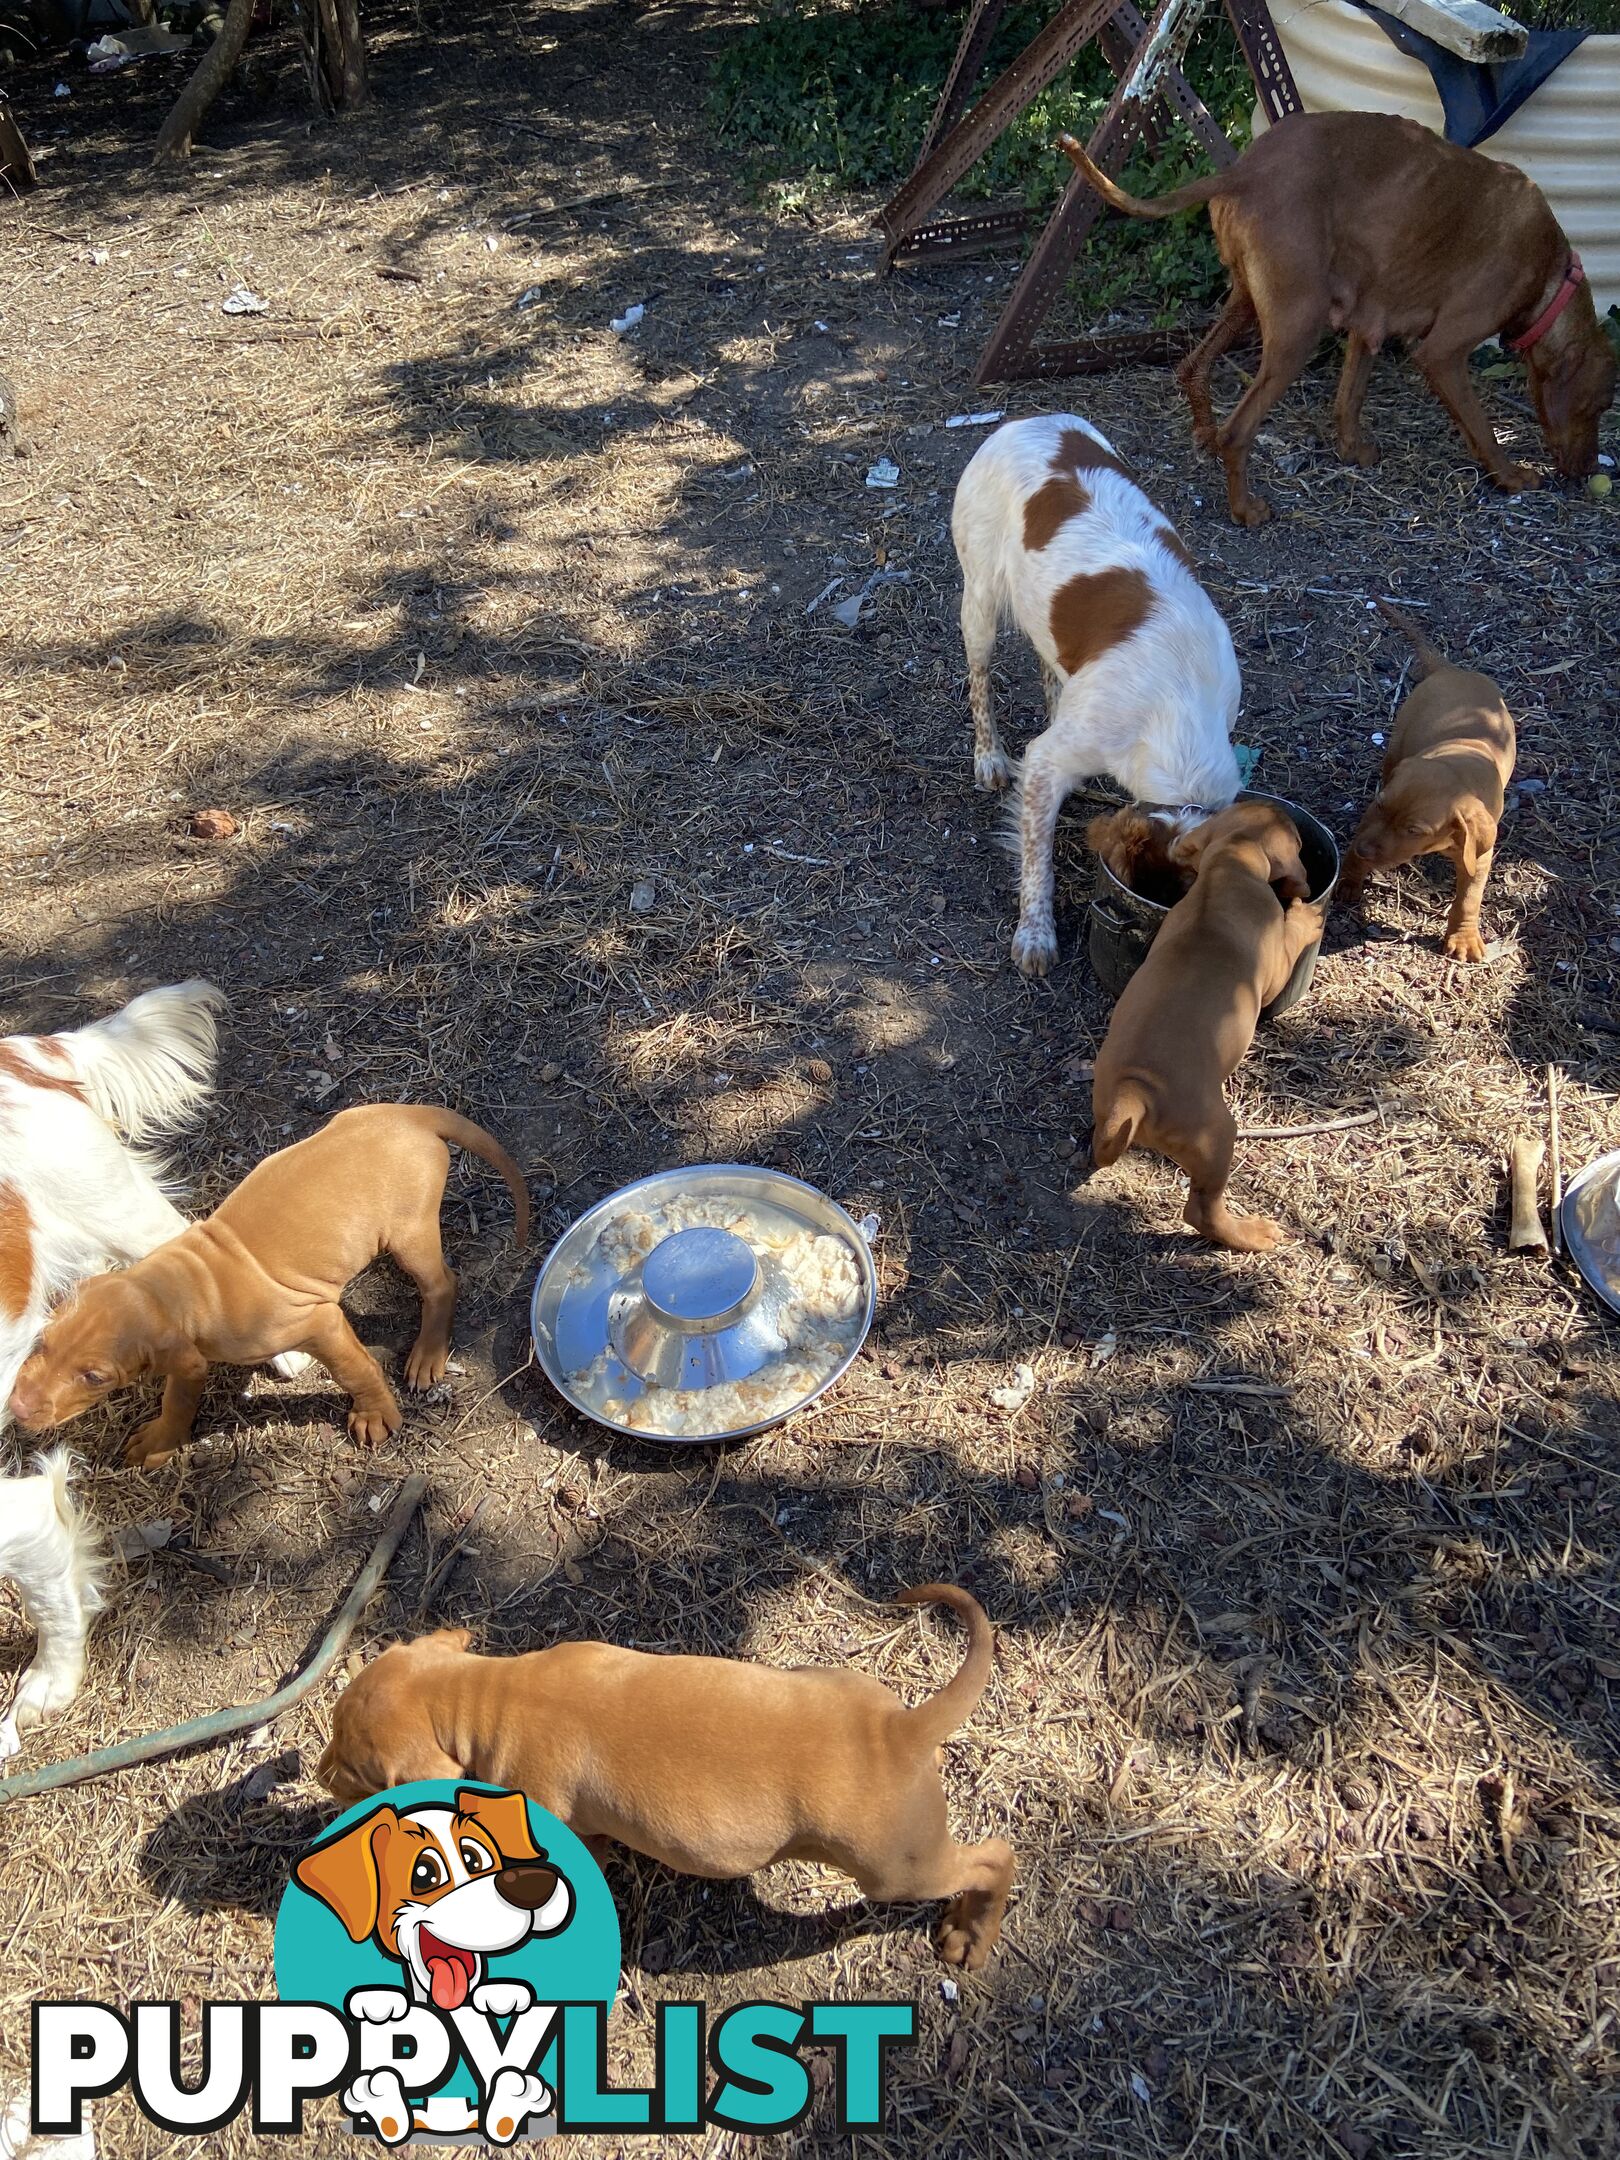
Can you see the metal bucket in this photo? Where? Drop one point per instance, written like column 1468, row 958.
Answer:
column 1124, row 923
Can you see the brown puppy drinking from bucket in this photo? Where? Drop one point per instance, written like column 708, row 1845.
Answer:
column 264, row 1274
column 713, row 1766
column 1446, row 770
column 1188, row 1014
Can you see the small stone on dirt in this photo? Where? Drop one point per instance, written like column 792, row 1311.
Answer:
column 211, row 825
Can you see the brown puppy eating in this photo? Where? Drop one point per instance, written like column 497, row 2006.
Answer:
column 1188, row 1014
column 1446, row 770
column 264, row 1273
column 713, row 1766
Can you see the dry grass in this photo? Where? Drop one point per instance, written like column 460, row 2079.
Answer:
column 1304, row 1720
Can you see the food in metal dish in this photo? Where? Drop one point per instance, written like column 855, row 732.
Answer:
column 817, row 1303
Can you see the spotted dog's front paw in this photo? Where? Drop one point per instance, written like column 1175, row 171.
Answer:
column 378, row 2098
column 502, row 1998
column 1034, row 948
column 991, row 772
column 514, row 2096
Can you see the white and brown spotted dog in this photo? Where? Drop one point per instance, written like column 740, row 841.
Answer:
column 442, row 1889
column 1141, row 678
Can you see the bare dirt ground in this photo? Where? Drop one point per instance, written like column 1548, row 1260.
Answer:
column 1304, row 1720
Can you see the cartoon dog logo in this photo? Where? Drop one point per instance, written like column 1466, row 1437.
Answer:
column 442, row 1889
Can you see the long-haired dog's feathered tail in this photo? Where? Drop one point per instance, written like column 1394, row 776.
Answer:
column 149, row 1068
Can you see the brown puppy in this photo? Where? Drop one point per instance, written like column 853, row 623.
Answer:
column 264, row 1274
column 1447, row 767
column 713, row 1766
column 1188, row 1014
column 1372, row 225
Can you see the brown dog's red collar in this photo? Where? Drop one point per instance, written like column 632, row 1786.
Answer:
column 1573, row 279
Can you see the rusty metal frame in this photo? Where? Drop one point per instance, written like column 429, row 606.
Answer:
column 1145, row 59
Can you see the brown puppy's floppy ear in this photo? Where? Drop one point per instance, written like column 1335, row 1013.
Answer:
column 344, row 1873
column 1473, row 835
column 167, row 1354
column 504, row 1817
column 1289, row 874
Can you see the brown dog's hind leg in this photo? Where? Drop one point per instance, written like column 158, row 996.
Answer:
column 422, row 1257
column 374, row 1411
column 1193, row 372
column 976, row 1879
column 905, row 1854
column 969, row 1925
column 1354, row 446
column 1293, row 312
column 1207, row 1159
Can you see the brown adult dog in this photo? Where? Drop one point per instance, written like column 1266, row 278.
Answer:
column 1447, row 767
column 1369, row 224
column 1188, row 1014
column 710, row 1765
column 264, row 1274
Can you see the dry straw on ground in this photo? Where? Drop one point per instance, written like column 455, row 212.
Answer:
column 475, row 617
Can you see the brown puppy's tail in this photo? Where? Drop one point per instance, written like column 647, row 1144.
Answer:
column 463, row 1133
column 933, row 1721
column 1429, row 657
column 1116, row 1131
column 1162, row 206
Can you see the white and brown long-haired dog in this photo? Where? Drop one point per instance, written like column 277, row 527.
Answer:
column 75, row 1199
column 1141, row 679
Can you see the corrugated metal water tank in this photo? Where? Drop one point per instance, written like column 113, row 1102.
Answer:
column 1566, row 137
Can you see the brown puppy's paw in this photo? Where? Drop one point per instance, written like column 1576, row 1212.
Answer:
column 1251, row 511
column 372, row 1426
column 1361, row 452
column 426, row 1366
column 150, row 1446
column 1518, row 479
column 962, row 1940
column 1252, row 1233
column 1352, row 882
column 1465, row 945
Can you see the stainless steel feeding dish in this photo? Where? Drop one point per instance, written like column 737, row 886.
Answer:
column 703, row 1304
column 1590, row 1220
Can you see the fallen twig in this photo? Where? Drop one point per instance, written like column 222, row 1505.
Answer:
column 577, row 202
column 1300, row 1132
column 1555, row 1162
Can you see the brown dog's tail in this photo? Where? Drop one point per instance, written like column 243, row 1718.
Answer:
column 1161, row 206
column 1116, row 1130
column 1429, row 657
column 463, row 1133
column 933, row 1721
